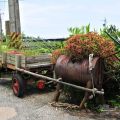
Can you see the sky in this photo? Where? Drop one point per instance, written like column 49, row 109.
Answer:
column 52, row 18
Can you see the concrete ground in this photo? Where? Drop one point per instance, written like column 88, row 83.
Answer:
column 35, row 106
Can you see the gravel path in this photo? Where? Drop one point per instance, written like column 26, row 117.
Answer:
column 34, row 106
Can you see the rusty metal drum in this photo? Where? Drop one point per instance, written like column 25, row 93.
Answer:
column 78, row 72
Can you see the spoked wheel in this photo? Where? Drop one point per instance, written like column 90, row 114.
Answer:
column 18, row 85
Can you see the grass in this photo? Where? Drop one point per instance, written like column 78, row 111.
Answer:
column 33, row 48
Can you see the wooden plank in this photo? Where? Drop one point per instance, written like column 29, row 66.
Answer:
column 41, row 58
column 23, row 61
column 32, row 62
column 13, row 63
column 1, row 59
column 17, row 61
column 4, row 56
column 10, row 62
column 11, row 66
column 11, row 55
column 37, row 65
column 11, row 59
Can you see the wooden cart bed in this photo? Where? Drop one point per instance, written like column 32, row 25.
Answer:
column 9, row 60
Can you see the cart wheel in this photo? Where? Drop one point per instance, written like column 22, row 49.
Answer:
column 18, row 85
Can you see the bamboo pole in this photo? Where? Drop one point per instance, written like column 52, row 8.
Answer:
column 61, row 82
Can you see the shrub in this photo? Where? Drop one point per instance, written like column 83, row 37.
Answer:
column 80, row 46
column 56, row 53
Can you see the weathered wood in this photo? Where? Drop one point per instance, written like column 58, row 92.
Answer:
column 11, row 66
column 11, row 55
column 25, row 62
column 17, row 61
column 10, row 62
column 38, row 65
column 36, row 61
column 4, row 56
column 40, row 58
column 11, row 59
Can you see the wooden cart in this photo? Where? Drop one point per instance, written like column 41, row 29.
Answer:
column 39, row 64
column 26, row 70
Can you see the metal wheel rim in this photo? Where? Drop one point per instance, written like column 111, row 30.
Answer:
column 15, row 86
